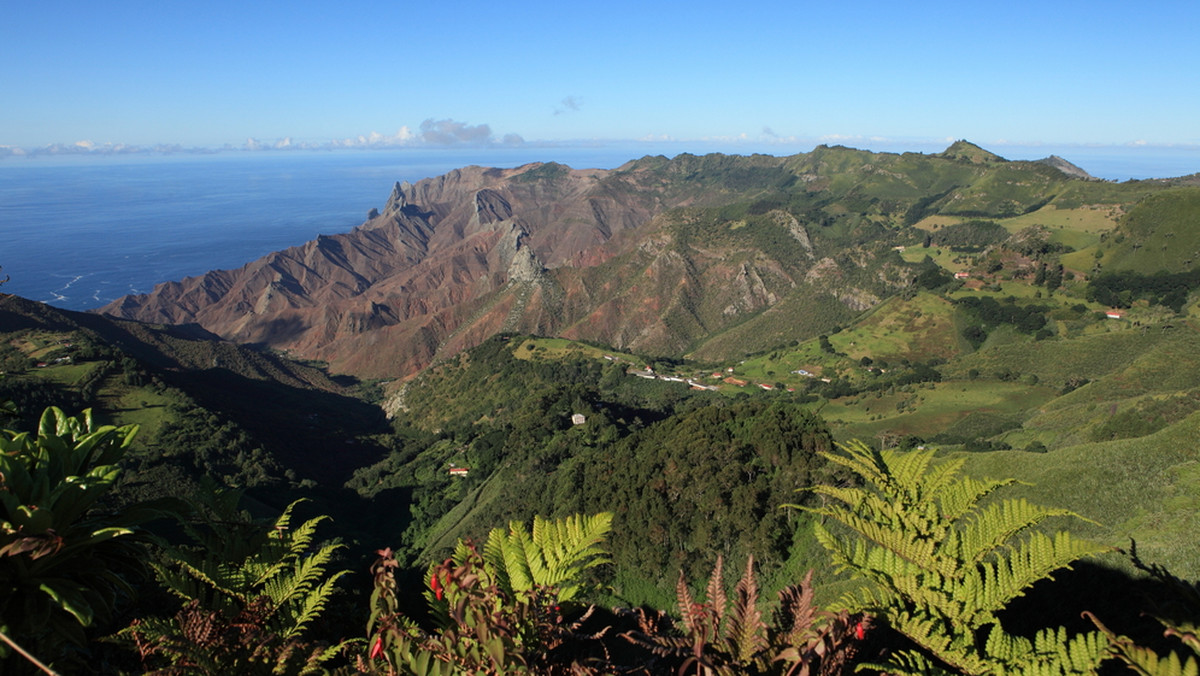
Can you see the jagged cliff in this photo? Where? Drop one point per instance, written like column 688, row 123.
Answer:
column 431, row 267
column 714, row 254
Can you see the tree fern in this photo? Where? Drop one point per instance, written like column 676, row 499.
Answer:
column 942, row 562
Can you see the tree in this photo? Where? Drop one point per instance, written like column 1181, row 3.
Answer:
column 1054, row 277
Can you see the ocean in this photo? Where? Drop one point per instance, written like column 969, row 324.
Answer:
column 79, row 232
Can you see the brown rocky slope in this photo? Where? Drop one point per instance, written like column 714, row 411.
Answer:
column 648, row 257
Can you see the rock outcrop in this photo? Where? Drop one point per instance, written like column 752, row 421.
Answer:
column 387, row 296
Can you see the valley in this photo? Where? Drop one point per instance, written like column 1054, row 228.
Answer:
column 677, row 342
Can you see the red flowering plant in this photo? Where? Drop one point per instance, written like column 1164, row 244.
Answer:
column 491, row 614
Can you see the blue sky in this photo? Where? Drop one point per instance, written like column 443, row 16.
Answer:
column 215, row 73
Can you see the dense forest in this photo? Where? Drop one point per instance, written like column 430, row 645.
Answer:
column 217, row 591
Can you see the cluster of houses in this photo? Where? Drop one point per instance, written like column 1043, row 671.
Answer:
column 649, row 374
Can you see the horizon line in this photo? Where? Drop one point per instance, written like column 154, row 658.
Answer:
column 379, row 142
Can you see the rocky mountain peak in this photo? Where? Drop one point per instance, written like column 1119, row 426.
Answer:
column 1066, row 167
column 399, row 197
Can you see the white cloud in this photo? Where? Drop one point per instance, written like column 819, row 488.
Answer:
column 430, row 133
column 452, row 132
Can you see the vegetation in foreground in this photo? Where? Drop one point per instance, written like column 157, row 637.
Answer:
column 936, row 559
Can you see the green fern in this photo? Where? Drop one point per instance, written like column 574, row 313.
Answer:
column 942, row 563
column 268, row 582
column 555, row 554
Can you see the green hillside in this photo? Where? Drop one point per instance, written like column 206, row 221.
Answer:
column 1159, row 234
column 205, row 406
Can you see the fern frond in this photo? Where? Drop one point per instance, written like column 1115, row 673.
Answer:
column 939, row 482
column 298, row 582
column 878, row 564
column 909, row 544
column 572, row 545
column 310, row 606
column 1034, row 559
column 991, row 528
column 715, row 592
column 1146, row 662
column 689, row 611
column 746, row 631
column 907, row 470
column 797, row 610
column 202, row 581
column 506, row 559
column 862, row 460
column 907, row 663
column 966, row 495
column 1006, row 647
column 1142, row 660
column 1054, row 653
column 555, row 554
column 942, row 563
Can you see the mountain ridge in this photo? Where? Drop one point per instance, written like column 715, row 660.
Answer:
column 659, row 255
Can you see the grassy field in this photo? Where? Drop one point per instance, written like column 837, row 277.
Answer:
column 1146, row 488
column 1158, row 234
column 944, row 257
column 561, row 348
column 1057, row 361
column 930, row 408
column 918, row 329
column 779, row 365
column 140, row 406
column 1089, row 220
column 67, row 374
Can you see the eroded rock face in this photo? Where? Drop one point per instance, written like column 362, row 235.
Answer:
column 451, row 260
column 385, row 297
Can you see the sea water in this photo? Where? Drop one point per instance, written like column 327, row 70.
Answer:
column 80, row 232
